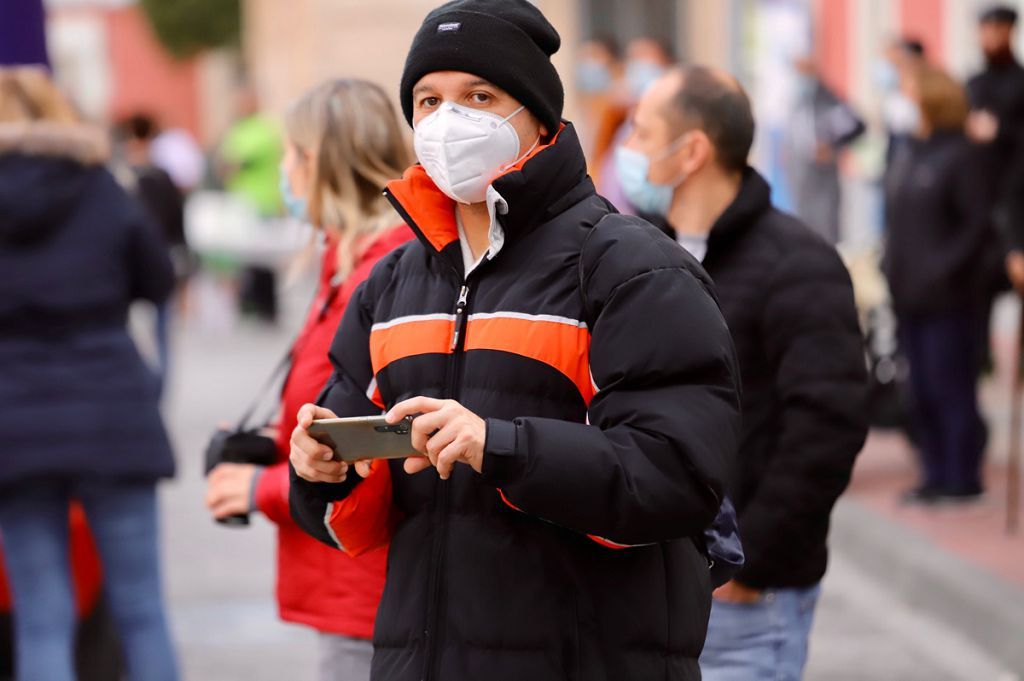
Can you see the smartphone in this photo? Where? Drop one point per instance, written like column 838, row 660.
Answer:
column 365, row 437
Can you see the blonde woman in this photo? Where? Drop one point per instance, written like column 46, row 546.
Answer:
column 78, row 408
column 344, row 144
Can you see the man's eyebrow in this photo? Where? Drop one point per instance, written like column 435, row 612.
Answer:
column 420, row 88
column 479, row 81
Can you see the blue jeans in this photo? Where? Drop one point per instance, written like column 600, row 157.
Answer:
column 762, row 641
column 123, row 520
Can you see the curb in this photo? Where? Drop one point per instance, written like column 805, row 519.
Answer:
column 982, row 607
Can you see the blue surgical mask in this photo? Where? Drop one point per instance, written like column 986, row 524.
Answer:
column 296, row 206
column 641, row 75
column 593, row 77
column 632, row 168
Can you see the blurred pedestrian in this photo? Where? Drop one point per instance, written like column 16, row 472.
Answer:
column 249, row 160
column 646, row 60
column 822, row 125
column 788, row 300
column 938, row 228
column 78, row 407
column 344, row 142
column 165, row 205
column 899, row 112
column 574, row 382
column 996, row 123
column 604, row 102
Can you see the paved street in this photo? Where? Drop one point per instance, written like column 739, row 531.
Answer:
column 220, row 581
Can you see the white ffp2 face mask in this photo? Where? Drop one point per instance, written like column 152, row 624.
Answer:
column 463, row 149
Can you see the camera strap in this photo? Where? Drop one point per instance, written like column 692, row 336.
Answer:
column 283, row 366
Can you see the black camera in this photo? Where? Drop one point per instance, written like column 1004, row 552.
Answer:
column 239, row 446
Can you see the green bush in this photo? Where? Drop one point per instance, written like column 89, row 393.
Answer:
column 186, row 27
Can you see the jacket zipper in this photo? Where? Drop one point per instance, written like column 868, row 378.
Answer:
column 440, row 542
column 435, row 604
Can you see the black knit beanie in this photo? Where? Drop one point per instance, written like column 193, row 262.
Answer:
column 507, row 42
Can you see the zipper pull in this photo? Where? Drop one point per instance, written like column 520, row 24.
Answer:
column 460, row 310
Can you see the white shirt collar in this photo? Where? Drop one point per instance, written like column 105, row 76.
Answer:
column 496, row 206
column 696, row 245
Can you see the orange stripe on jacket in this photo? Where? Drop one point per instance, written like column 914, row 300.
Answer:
column 563, row 345
column 405, row 337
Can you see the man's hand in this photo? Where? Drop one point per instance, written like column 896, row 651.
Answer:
column 736, row 593
column 312, row 460
column 229, row 488
column 1015, row 269
column 445, row 432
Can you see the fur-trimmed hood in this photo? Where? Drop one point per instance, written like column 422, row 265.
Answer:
column 82, row 143
column 44, row 170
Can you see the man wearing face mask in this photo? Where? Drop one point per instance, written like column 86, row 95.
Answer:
column 572, row 381
column 789, row 303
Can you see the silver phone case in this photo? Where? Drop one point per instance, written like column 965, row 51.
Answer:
column 365, row 437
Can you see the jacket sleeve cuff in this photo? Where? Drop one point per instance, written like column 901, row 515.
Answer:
column 503, row 462
column 254, row 489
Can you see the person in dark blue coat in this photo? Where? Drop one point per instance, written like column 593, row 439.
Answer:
column 939, row 232
column 78, row 406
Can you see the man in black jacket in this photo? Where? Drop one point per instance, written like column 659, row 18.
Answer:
column 997, row 124
column 789, row 303
column 575, row 381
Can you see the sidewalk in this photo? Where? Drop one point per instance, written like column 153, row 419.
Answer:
column 974, row 533
column 957, row 564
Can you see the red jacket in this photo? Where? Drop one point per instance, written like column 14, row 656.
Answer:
column 316, row 585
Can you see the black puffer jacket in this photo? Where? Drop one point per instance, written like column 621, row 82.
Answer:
column 789, row 303
column 572, row 555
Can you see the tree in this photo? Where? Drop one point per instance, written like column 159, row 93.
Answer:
column 189, row 26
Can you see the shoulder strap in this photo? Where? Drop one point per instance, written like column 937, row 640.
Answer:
column 283, row 366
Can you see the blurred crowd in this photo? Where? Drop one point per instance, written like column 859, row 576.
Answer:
column 93, row 221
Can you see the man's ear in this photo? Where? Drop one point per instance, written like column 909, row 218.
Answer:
column 702, row 153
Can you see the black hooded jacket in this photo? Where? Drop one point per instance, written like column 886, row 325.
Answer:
column 595, row 349
column 789, row 303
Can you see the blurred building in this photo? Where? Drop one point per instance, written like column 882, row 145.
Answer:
column 105, row 55
column 291, row 45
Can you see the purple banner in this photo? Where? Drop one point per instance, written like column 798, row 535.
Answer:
column 22, row 32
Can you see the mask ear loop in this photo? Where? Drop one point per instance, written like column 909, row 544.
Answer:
column 668, row 151
column 512, row 115
column 528, row 151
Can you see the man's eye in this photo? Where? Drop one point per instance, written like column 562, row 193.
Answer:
column 480, row 98
column 429, row 102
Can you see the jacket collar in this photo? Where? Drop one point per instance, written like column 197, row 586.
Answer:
column 753, row 199
column 545, row 183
